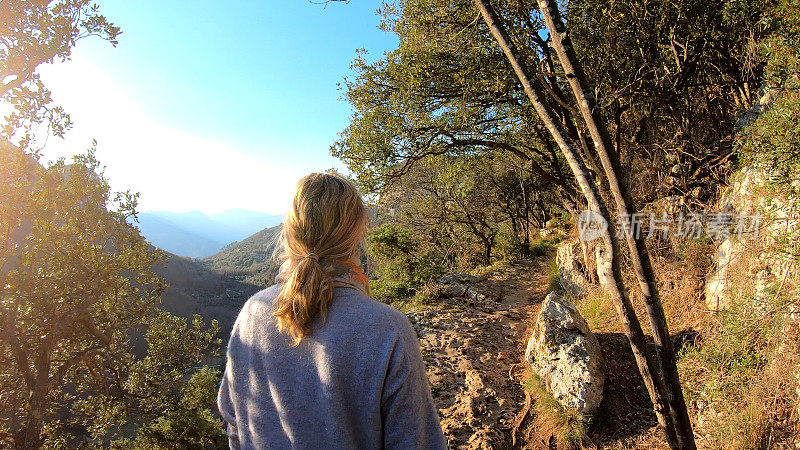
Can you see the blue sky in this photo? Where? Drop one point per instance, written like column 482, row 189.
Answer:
column 213, row 105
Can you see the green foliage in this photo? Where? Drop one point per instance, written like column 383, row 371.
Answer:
column 251, row 260
column 772, row 141
column 509, row 244
column 79, row 306
column 553, row 278
column 444, row 85
column 401, row 265
column 782, row 47
column 191, row 423
column 726, row 369
column 388, row 291
column 34, row 33
column 441, row 134
column 541, row 247
column 392, row 242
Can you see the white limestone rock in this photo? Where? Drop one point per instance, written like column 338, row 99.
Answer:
column 570, row 272
column 567, row 356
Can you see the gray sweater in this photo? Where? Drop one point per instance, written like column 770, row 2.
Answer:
column 356, row 382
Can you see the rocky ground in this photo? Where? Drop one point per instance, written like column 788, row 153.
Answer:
column 473, row 345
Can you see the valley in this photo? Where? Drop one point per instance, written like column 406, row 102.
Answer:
column 217, row 286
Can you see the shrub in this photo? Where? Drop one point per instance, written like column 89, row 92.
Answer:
column 402, row 265
column 509, row 245
column 388, row 291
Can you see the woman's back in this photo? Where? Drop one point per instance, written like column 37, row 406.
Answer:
column 355, row 381
column 313, row 362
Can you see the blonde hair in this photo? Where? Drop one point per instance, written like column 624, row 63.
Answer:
column 325, row 223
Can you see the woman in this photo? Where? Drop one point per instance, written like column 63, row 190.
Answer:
column 313, row 362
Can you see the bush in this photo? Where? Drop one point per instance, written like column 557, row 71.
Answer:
column 431, row 293
column 509, row 245
column 402, row 265
column 542, row 246
column 388, row 291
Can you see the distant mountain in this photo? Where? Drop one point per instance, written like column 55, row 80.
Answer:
column 244, row 222
column 171, row 237
column 196, row 235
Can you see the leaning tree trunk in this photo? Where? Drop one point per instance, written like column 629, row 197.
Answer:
column 631, row 325
column 640, row 258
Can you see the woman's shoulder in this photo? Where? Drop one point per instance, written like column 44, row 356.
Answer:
column 258, row 307
column 265, row 296
column 370, row 312
column 350, row 308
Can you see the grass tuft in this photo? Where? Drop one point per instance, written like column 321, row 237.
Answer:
column 567, row 426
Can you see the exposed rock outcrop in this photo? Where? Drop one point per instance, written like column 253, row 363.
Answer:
column 748, row 253
column 570, row 270
column 753, row 254
column 469, row 286
column 603, row 263
column 567, row 356
column 716, row 290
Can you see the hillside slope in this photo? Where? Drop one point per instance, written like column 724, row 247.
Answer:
column 216, row 287
column 249, row 260
column 193, row 288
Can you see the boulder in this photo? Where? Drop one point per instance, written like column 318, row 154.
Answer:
column 567, row 356
column 570, row 268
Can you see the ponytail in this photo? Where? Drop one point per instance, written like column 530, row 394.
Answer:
column 325, row 224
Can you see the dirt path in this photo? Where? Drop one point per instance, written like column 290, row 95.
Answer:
column 474, row 347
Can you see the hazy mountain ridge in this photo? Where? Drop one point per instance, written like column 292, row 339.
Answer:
column 197, row 235
column 170, row 237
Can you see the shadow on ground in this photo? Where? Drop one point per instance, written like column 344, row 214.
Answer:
column 626, row 410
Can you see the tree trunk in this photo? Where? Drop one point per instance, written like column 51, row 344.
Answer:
column 526, row 225
column 589, row 263
column 640, row 258
column 487, row 250
column 30, row 436
column 630, row 323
